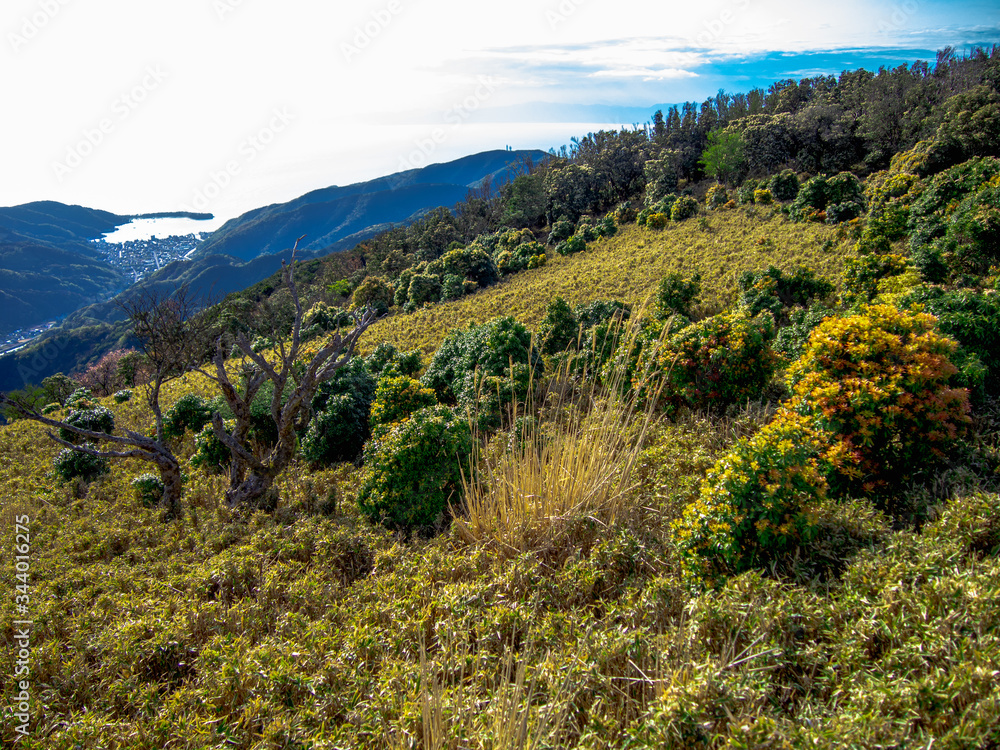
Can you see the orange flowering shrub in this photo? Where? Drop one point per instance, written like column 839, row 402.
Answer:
column 879, row 382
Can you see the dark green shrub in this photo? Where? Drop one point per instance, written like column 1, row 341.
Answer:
column 744, row 196
column 402, row 293
column 606, row 227
column 841, row 212
column 559, row 329
column 843, row 192
column 414, row 470
column 784, row 186
column 98, row 419
column 375, row 292
column 79, row 399
column 676, row 294
column 971, row 244
column 844, row 187
column 210, row 452
column 774, row 292
column 452, row 287
column 386, row 359
column 341, row 407
column 574, row 244
column 322, row 318
column 586, row 230
column 472, row 262
column 70, row 464
column 791, row 338
column 862, row 274
column 625, row 213
column 190, row 412
column 599, row 325
column 973, row 320
column 484, row 368
column 148, row 489
column 931, row 211
column 424, row 288
column 683, row 208
column 561, row 231
column 590, row 314
column 812, row 197
column 123, row 396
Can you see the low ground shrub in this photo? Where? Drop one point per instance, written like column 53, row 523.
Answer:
column 414, row 470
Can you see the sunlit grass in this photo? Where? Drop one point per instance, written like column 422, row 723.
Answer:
column 629, row 266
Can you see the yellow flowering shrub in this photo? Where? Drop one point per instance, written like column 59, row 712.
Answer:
column 879, row 381
column 871, row 407
column 755, row 502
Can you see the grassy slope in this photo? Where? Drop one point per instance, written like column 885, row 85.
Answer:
column 304, row 630
column 630, row 265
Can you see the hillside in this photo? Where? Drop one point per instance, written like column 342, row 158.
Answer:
column 629, row 266
column 40, row 281
column 345, row 633
column 243, row 252
column 66, row 227
column 335, row 218
column 687, row 438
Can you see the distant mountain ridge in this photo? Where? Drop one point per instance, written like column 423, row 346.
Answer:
column 65, row 227
column 330, row 215
column 48, row 267
column 241, row 253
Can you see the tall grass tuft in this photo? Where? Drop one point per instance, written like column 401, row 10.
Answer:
column 569, row 461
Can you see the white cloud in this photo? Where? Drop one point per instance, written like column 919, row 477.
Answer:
column 416, row 59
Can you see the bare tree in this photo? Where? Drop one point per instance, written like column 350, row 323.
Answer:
column 254, row 468
column 173, row 340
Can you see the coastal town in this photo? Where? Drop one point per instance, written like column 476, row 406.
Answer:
column 15, row 340
column 136, row 259
column 139, row 258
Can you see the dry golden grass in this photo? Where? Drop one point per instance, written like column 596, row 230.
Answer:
column 576, row 461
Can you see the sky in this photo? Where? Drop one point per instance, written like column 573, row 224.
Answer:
column 221, row 106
